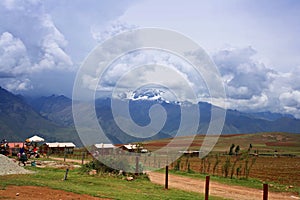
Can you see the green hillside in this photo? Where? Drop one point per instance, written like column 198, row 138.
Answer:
column 19, row 121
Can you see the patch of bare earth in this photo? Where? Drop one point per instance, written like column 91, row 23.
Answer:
column 37, row 193
column 217, row 189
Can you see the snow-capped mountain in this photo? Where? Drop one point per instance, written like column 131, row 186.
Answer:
column 143, row 94
column 151, row 94
column 50, row 116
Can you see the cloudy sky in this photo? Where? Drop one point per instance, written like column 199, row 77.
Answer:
column 255, row 44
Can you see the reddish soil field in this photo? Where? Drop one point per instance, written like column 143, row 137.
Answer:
column 282, row 144
column 283, row 170
column 37, row 193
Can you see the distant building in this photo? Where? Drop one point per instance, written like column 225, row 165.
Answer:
column 58, row 147
column 14, row 147
column 190, row 153
column 103, row 149
column 133, row 148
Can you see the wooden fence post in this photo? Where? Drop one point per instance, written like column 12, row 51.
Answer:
column 207, row 187
column 66, row 174
column 65, row 153
column 48, row 153
column 167, row 178
column 136, row 165
column 266, row 188
column 82, row 159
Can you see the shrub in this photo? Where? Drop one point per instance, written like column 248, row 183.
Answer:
column 177, row 166
column 226, row 167
column 216, row 163
column 115, row 165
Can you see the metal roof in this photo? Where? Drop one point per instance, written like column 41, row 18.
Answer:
column 104, row 146
column 61, row 144
column 131, row 146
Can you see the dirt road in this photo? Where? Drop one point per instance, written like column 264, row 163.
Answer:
column 217, row 189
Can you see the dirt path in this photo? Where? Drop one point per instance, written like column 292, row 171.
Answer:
column 217, row 189
column 70, row 160
column 37, row 193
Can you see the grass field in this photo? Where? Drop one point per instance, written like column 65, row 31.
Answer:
column 104, row 186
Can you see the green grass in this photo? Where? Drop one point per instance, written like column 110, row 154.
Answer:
column 251, row 183
column 101, row 186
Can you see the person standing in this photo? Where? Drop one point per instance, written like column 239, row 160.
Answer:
column 23, row 158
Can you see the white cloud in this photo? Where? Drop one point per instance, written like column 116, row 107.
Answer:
column 18, row 84
column 251, row 86
column 39, row 37
column 29, row 43
column 43, row 43
column 290, row 99
column 152, row 66
column 244, row 76
column 255, row 103
column 113, row 28
column 52, row 48
column 13, row 55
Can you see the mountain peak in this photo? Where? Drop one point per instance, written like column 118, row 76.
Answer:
column 148, row 94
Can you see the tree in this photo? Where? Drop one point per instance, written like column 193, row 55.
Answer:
column 231, row 149
column 250, row 147
column 237, row 150
column 177, row 166
column 209, row 163
column 238, row 170
column 248, row 165
column 216, row 163
column 203, row 165
column 233, row 166
column 226, row 166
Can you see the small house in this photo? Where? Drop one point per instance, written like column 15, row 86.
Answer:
column 58, row 147
column 133, row 148
column 103, row 149
column 14, row 147
column 190, row 153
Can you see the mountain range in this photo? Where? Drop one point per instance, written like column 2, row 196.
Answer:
column 51, row 117
column 19, row 120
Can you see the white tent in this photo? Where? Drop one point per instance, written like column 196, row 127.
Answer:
column 36, row 139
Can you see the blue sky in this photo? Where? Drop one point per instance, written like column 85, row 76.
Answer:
column 255, row 44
